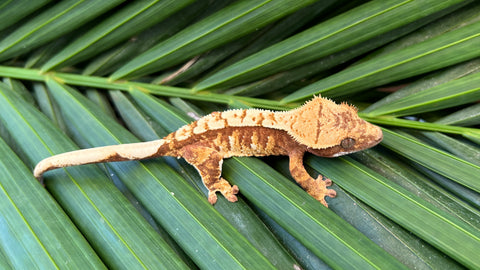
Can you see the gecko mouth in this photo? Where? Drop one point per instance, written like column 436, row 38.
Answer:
column 377, row 140
column 374, row 139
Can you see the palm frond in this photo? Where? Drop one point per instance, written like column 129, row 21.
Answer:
column 80, row 74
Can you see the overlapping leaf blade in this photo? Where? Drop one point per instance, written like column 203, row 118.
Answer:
column 238, row 214
column 121, row 237
column 297, row 76
column 341, row 32
column 404, row 174
column 111, row 60
column 443, row 163
column 436, row 80
column 132, row 19
column 454, row 93
column 322, row 232
column 469, row 116
column 257, row 41
column 448, row 49
column 35, row 232
column 413, row 213
column 52, row 23
column 456, row 199
column 236, row 20
column 293, row 215
column 181, row 210
column 13, row 11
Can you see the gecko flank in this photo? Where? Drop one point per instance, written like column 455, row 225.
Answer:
column 320, row 127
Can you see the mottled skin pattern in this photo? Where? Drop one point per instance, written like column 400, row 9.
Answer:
column 320, row 127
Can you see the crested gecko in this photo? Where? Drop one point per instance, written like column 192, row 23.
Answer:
column 320, row 127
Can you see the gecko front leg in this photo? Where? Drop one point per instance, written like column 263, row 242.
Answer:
column 208, row 163
column 317, row 188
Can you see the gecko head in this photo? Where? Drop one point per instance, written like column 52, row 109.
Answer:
column 330, row 130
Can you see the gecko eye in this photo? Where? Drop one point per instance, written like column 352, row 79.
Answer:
column 347, row 143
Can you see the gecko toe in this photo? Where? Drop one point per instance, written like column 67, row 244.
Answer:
column 212, row 197
column 229, row 194
column 231, row 198
column 227, row 191
column 235, row 189
column 331, row 193
column 328, row 182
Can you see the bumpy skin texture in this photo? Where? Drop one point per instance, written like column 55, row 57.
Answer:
column 320, row 127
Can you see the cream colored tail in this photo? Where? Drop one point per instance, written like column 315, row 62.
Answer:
column 121, row 152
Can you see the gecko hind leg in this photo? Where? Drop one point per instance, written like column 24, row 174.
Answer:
column 208, row 163
column 317, row 188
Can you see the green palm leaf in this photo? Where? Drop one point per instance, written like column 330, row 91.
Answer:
column 50, row 24
column 122, row 247
column 35, row 231
column 345, row 30
column 411, row 202
column 119, row 27
column 234, row 21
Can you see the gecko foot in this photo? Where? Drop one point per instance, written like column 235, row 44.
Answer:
column 225, row 188
column 208, row 163
column 318, row 189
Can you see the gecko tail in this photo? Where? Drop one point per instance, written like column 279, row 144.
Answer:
column 121, row 152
